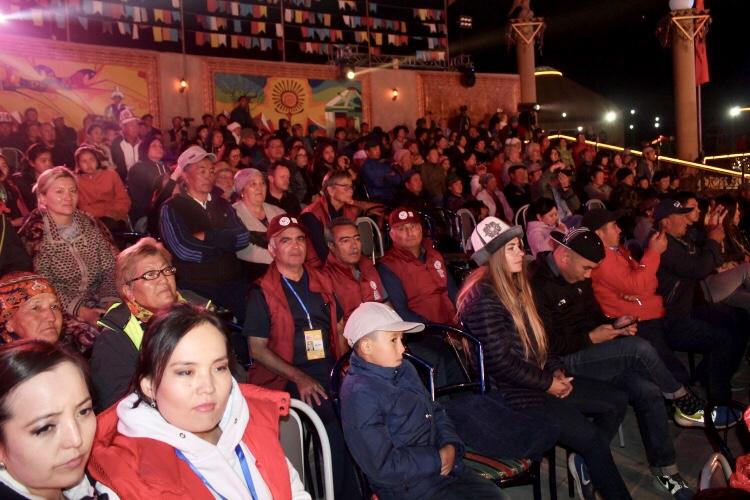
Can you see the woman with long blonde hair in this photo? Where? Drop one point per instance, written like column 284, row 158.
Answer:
column 496, row 305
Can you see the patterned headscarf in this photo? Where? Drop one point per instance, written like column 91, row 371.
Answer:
column 18, row 287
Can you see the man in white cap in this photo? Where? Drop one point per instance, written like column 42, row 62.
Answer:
column 403, row 441
column 125, row 147
column 234, row 129
column 203, row 233
column 112, row 112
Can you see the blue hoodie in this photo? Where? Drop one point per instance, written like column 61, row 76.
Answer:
column 394, row 430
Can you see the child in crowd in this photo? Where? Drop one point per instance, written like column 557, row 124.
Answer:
column 404, row 442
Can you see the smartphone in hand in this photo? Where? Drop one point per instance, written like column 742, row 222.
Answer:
column 624, row 322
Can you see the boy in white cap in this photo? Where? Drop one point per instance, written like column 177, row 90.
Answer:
column 403, row 441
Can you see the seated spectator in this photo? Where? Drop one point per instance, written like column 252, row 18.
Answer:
column 11, row 196
column 255, row 214
column 592, row 346
column 224, row 182
column 293, row 332
column 13, row 254
column 47, row 424
column 145, row 278
column 125, row 148
column 557, row 184
column 488, row 194
column 414, row 274
column 336, row 201
column 142, row 179
column 541, row 220
column 353, row 275
column 250, row 151
column 497, row 306
column 535, row 176
column 100, row 190
column 517, row 192
column 38, row 161
column 647, row 166
column 624, row 195
column 597, row 188
column 383, row 410
column 644, row 222
column 433, row 177
column 278, row 189
column 273, row 150
column 216, row 142
column 193, row 439
column 661, row 184
column 203, row 233
column 62, row 154
column 412, row 194
column 73, row 250
column 231, row 158
column 455, row 198
column 380, row 178
column 95, row 138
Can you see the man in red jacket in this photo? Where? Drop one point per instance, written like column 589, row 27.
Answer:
column 353, row 276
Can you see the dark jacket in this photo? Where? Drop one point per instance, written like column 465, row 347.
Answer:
column 521, row 382
column 517, row 195
column 569, row 311
column 381, row 180
column 142, row 179
column 682, row 265
column 212, row 261
column 394, row 430
column 118, row 158
column 13, row 255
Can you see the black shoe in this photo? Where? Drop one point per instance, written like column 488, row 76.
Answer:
column 583, row 485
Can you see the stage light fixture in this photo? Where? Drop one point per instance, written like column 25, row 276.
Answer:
column 564, row 114
column 183, row 85
column 350, row 74
column 394, row 94
column 610, row 116
column 466, row 22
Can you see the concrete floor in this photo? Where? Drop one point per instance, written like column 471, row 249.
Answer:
column 693, row 449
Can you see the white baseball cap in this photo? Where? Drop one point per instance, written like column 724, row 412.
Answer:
column 193, row 154
column 373, row 317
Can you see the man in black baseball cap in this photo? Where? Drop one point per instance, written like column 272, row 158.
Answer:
column 591, row 345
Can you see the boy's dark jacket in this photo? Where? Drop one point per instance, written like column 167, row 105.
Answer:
column 394, row 430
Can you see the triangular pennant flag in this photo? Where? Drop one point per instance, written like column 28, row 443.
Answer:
column 157, row 34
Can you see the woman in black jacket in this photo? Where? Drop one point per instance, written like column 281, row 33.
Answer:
column 496, row 305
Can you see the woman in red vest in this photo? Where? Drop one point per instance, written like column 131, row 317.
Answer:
column 189, row 430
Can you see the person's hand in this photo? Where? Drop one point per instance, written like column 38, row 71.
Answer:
column 90, row 315
column 726, row 266
column 200, row 236
column 716, row 233
column 447, row 459
column 309, row 389
column 658, row 242
column 562, row 227
column 560, row 387
column 715, row 216
column 603, row 333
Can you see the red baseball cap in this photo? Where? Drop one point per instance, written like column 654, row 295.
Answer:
column 404, row 215
column 282, row 223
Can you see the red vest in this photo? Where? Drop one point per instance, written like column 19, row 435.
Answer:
column 321, row 210
column 281, row 337
column 146, row 468
column 425, row 284
column 349, row 291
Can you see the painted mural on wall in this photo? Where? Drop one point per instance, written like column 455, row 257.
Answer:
column 72, row 89
column 323, row 103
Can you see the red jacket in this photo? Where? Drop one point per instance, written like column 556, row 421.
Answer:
column 425, row 284
column 351, row 292
column 147, row 468
column 618, row 275
column 281, row 337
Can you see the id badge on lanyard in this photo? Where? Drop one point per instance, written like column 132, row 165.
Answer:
column 314, row 347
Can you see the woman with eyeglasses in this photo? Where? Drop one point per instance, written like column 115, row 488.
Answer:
column 145, row 278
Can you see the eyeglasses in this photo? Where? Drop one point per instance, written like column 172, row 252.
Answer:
column 152, row 275
column 345, row 186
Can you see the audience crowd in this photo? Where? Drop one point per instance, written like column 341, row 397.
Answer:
column 163, row 294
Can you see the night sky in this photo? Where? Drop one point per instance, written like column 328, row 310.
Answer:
column 610, row 46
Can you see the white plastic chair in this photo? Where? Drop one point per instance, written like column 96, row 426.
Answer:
column 372, row 239
column 467, row 223
column 715, row 473
column 291, row 436
column 594, row 203
column 520, row 217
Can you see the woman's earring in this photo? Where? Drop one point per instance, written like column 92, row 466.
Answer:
column 153, row 404
column 2, row 466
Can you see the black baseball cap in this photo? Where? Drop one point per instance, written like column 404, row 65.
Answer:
column 598, row 217
column 582, row 241
column 667, row 207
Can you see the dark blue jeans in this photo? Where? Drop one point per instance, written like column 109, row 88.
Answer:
column 655, row 332
column 633, row 365
column 588, row 420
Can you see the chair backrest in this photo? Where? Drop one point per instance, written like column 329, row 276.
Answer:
column 467, row 223
column 594, row 203
column 715, row 473
column 520, row 218
column 291, row 435
column 371, row 238
column 311, row 416
column 15, row 158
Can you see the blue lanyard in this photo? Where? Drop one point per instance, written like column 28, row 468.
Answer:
column 302, row 304
column 243, row 465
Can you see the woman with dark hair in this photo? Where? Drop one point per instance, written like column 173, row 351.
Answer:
column 186, row 431
column 38, row 160
column 497, row 306
column 231, row 158
column 541, row 220
column 10, row 195
column 101, row 192
column 143, row 178
column 323, row 163
column 47, row 423
column 202, row 137
column 217, row 145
